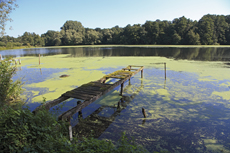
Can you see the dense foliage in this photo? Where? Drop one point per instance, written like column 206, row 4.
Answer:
column 9, row 91
column 22, row 131
column 209, row 30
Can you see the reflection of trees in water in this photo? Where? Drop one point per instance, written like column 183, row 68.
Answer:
column 204, row 54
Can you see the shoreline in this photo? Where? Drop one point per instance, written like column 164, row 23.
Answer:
column 144, row 46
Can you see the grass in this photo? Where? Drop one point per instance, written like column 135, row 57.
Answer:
column 21, row 47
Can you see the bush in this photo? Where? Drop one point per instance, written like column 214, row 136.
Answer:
column 9, row 91
column 10, row 45
column 18, row 44
column 22, row 131
column 2, row 44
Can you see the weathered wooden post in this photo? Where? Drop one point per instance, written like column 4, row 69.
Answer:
column 165, row 70
column 129, row 70
column 80, row 112
column 119, row 105
column 122, row 85
column 19, row 61
column 39, row 59
column 143, row 111
column 15, row 61
column 143, row 122
column 142, row 73
column 70, row 130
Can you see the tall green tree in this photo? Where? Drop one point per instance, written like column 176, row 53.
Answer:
column 153, row 30
column 72, row 33
column 221, row 27
column 134, row 34
column 117, row 32
column 192, row 38
column 32, row 39
column 73, row 25
column 52, row 38
column 71, row 37
column 107, row 36
column 206, row 30
column 92, row 37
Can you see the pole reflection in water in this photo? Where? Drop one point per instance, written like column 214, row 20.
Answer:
column 94, row 125
column 41, row 71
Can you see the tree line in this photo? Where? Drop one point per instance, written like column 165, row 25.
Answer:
column 209, row 30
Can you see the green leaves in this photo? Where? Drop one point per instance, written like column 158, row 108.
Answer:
column 9, row 91
column 22, row 131
column 6, row 7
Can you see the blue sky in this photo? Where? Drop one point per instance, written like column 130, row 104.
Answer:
column 41, row 15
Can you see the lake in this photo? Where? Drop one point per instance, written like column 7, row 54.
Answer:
column 189, row 111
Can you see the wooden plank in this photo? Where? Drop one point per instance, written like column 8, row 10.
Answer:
column 129, row 69
column 50, row 104
column 135, row 66
column 89, row 92
column 68, row 114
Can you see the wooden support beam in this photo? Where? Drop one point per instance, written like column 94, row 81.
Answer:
column 129, row 69
column 122, row 85
column 70, row 133
column 80, row 112
column 143, row 111
column 142, row 73
column 50, row 104
column 119, row 105
column 135, row 66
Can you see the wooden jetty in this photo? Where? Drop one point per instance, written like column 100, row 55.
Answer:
column 92, row 91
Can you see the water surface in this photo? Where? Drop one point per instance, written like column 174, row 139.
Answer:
column 188, row 111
